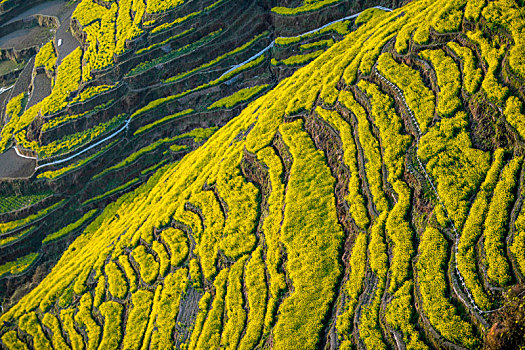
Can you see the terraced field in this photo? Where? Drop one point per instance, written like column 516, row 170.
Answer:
column 205, row 183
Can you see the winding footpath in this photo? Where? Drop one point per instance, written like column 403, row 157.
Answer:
column 124, row 127
column 258, row 54
column 429, row 179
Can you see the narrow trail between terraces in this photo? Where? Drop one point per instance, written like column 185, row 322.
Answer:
column 473, row 307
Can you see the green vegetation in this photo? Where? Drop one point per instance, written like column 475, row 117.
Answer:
column 18, row 266
column 67, row 81
column 308, row 6
column 156, row 6
column 209, row 336
column 496, row 224
column 237, row 50
column 298, row 60
column 149, row 268
column 352, row 288
column 399, row 315
column 514, row 115
column 448, row 79
column 257, row 293
column 307, row 300
column 68, row 323
column 236, row 315
column 52, row 174
column 13, row 111
column 117, row 285
column 175, row 286
column 370, row 149
column 169, row 25
column 492, row 54
column 11, row 340
column 112, row 333
column 5, row 227
column 317, row 44
column 239, row 97
column 340, row 28
column 163, row 256
column 369, row 328
column 120, row 188
column 30, row 324
column 12, row 203
column 316, row 212
column 134, row 156
column 92, row 91
column 457, row 167
column 368, row 14
column 51, row 322
column 130, row 272
column 177, row 244
column 73, row 141
column 431, row 275
column 18, row 237
column 71, row 227
column 471, row 74
column 60, row 120
column 466, row 254
column 165, row 42
column 147, row 65
column 138, row 319
column 355, row 197
column 419, row 98
column 46, row 57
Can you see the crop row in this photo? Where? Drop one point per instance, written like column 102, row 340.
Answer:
column 70, row 228
column 340, row 28
column 46, row 57
column 12, row 225
column 355, row 197
column 163, row 120
column 369, row 324
column 17, row 237
column 11, row 203
column 271, row 229
column 298, row 60
column 371, row 150
column 317, row 207
column 496, row 224
column 164, row 100
column 52, row 174
column 120, row 188
column 134, row 156
column 14, row 109
column 431, row 273
column 419, row 98
column 169, row 25
column 19, row 265
column 238, row 97
column 159, row 6
column 308, row 6
column 213, row 62
column 466, row 250
column 72, row 141
column 492, row 56
column 448, row 79
column 146, row 65
column 471, row 74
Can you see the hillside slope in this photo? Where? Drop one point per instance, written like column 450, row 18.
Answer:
column 100, row 108
column 372, row 199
